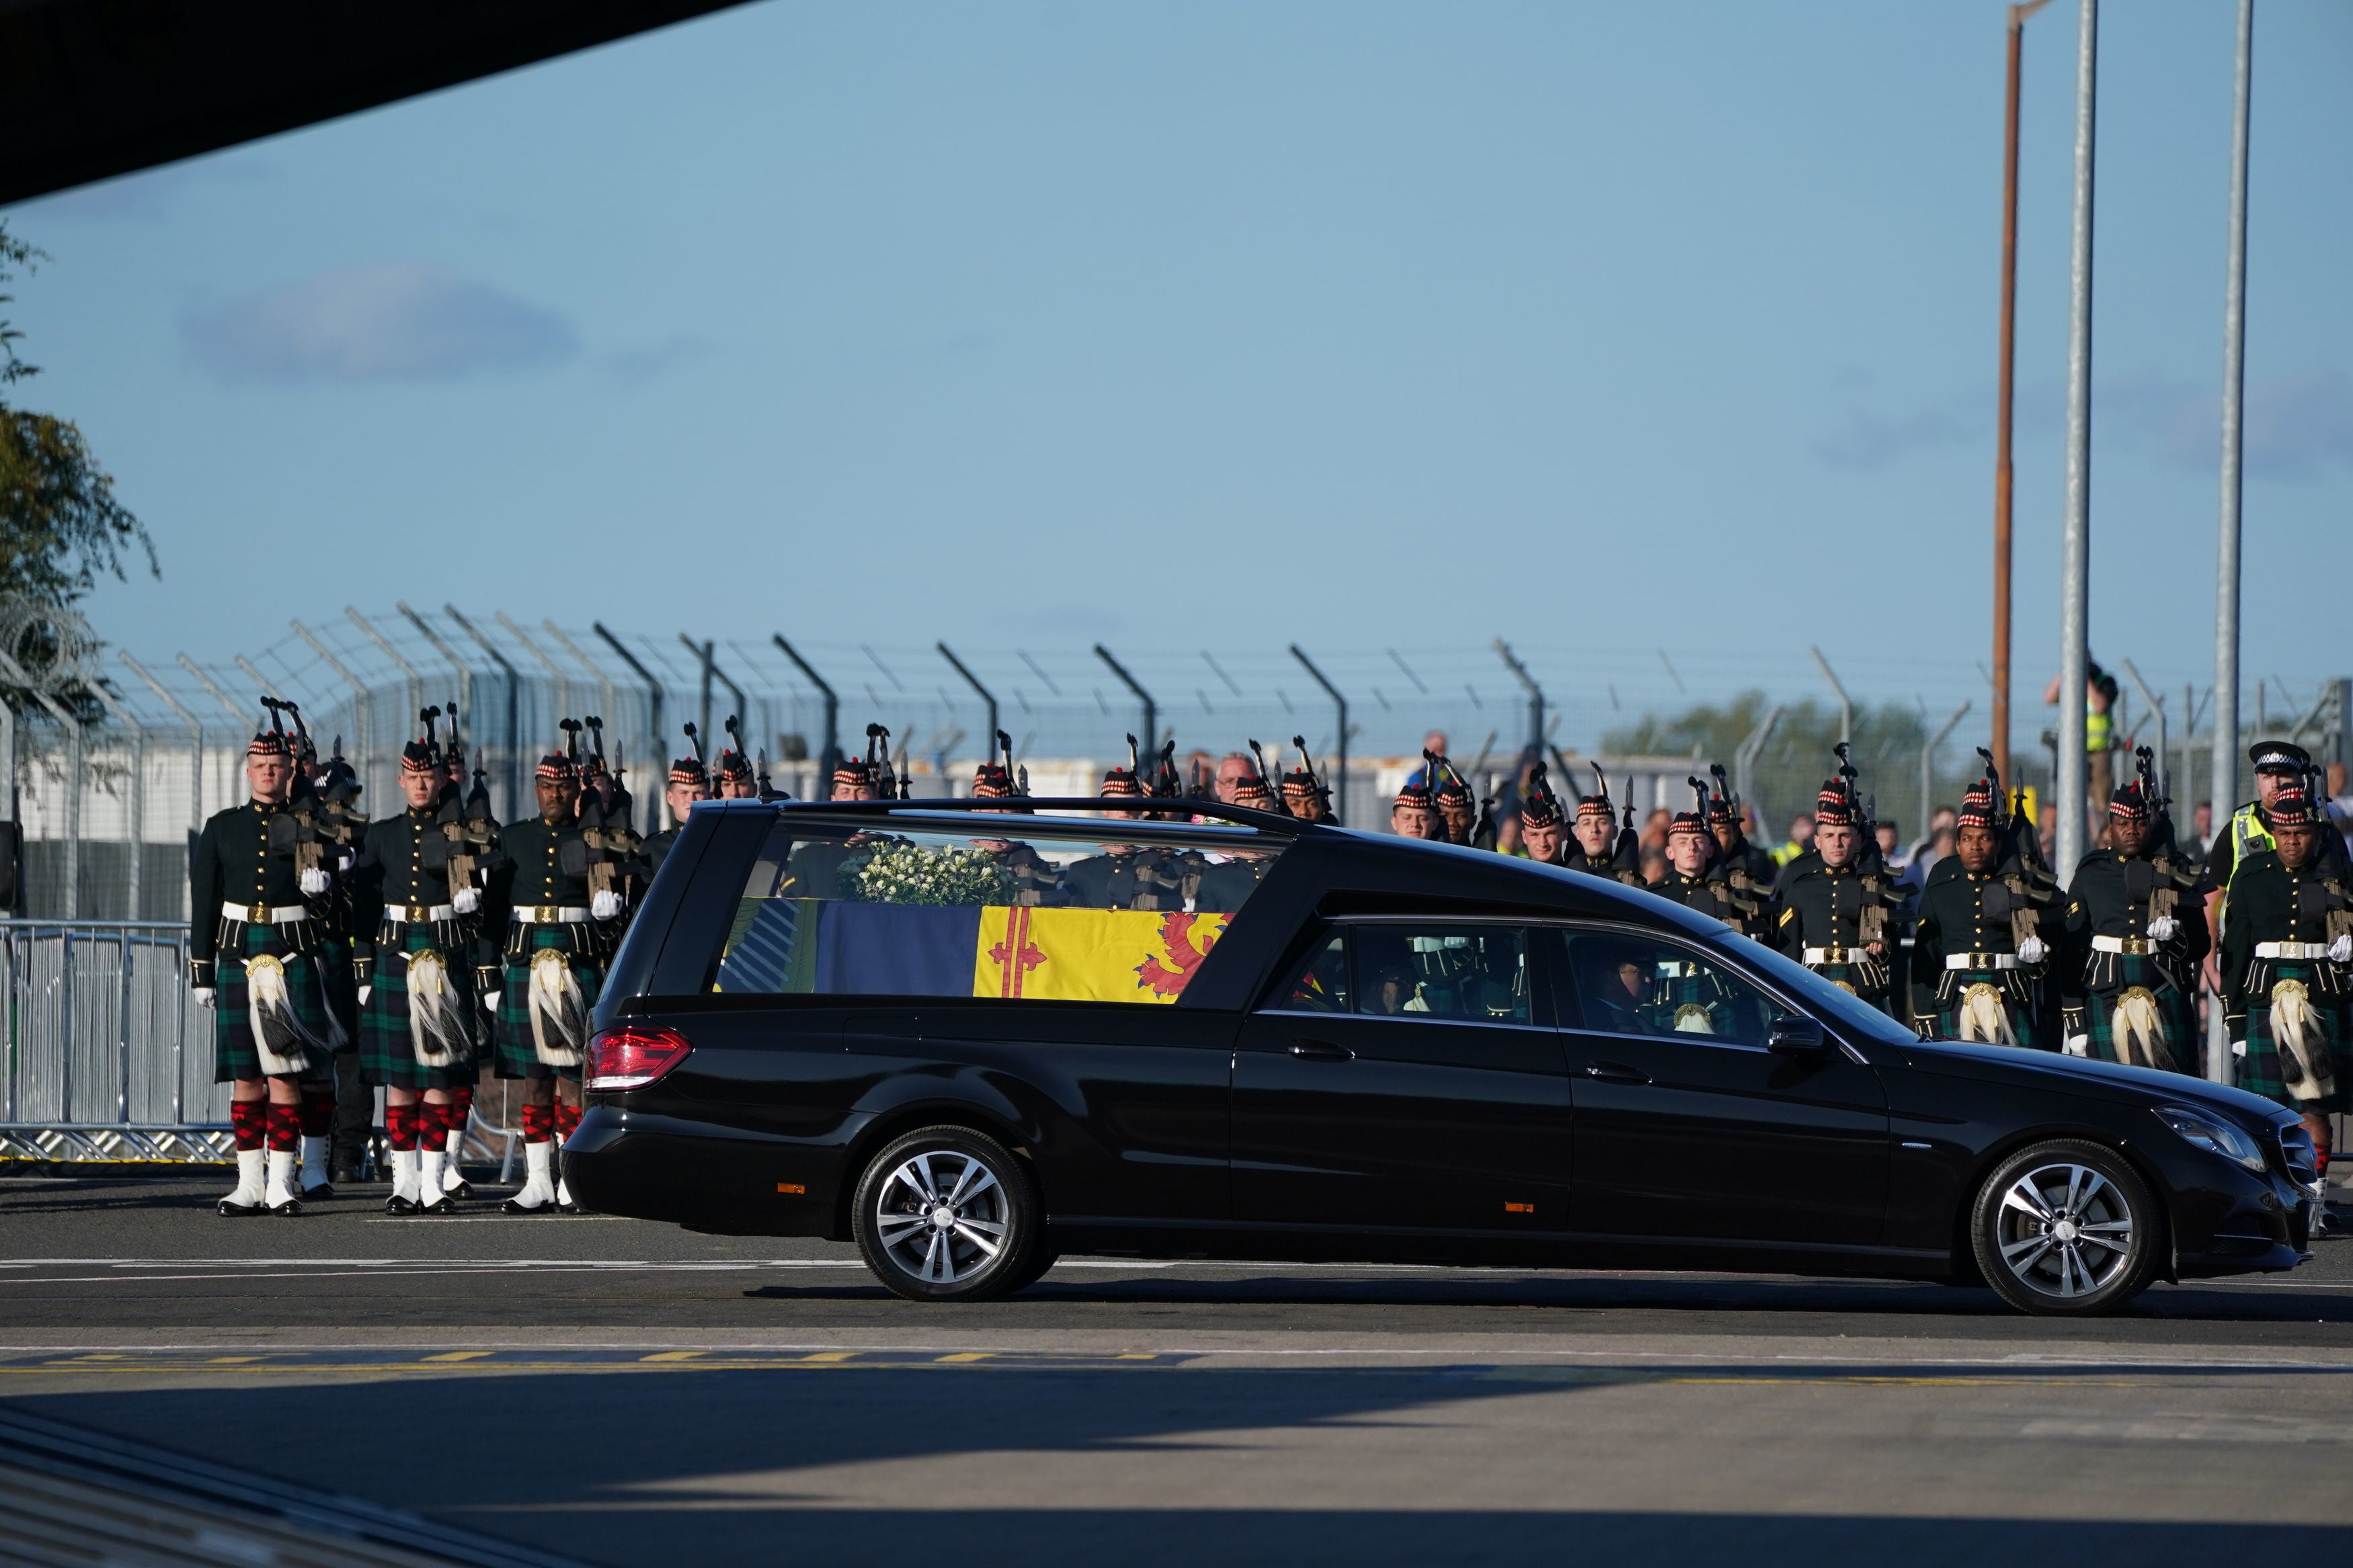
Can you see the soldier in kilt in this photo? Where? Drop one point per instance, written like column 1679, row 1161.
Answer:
column 2133, row 948
column 734, row 778
column 1543, row 831
column 556, row 944
column 256, row 955
column 472, row 828
column 417, row 1027
column 1978, row 945
column 1830, row 912
column 325, row 825
column 2287, row 971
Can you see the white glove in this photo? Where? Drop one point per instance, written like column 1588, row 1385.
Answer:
column 346, row 861
column 2079, row 1045
column 491, row 1000
column 363, row 994
column 466, row 900
column 2032, row 951
column 203, row 994
column 2341, row 949
column 2238, row 1047
column 605, row 906
column 2165, row 928
column 314, row 881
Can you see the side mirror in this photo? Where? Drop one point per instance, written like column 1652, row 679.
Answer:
column 1794, row 1035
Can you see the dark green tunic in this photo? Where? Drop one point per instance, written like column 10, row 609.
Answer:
column 2270, row 903
column 1824, row 906
column 403, row 861
column 1967, row 914
column 546, row 870
column 2112, row 895
column 234, row 864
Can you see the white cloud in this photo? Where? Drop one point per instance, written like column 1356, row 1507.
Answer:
column 401, row 320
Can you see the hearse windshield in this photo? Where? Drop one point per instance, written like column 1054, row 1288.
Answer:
column 971, row 905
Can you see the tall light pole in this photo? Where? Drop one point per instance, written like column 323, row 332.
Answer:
column 2225, row 789
column 2075, row 569
column 2004, row 396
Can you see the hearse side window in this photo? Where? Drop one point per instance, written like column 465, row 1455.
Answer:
column 1322, row 983
column 1023, row 909
column 1472, row 972
column 1628, row 984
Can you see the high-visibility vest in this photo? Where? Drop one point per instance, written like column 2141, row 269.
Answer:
column 2099, row 731
column 2248, row 834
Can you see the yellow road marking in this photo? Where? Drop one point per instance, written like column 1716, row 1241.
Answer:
column 829, row 1355
column 965, row 1355
column 458, row 1355
column 672, row 1355
column 230, row 1359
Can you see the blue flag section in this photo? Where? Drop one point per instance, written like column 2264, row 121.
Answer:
column 896, row 949
column 760, row 958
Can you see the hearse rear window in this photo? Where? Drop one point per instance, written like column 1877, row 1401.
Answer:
column 951, row 904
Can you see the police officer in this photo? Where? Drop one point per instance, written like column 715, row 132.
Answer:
column 256, row 952
column 1978, row 948
column 417, row 1023
column 1828, row 915
column 2278, row 765
column 2287, row 970
column 554, row 965
column 2135, row 943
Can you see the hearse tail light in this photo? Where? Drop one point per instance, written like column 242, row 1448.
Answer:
column 633, row 1055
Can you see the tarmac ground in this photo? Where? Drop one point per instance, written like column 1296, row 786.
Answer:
column 608, row 1391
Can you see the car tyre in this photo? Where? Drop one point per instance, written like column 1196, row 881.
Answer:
column 2066, row 1228
column 947, row 1214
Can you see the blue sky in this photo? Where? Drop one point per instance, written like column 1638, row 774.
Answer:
column 1601, row 328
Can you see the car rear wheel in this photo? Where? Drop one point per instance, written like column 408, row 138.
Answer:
column 947, row 1214
column 2066, row 1229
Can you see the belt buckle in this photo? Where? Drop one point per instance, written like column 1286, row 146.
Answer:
column 547, row 914
column 419, row 914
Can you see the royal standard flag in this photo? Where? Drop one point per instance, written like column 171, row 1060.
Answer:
column 1090, row 955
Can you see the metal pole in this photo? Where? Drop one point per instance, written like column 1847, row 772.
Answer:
column 137, row 801
column 2164, row 759
column 1744, row 760
column 702, row 652
column 515, row 707
column 555, row 673
column 416, row 682
column 1928, row 766
column 2224, row 792
column 195, row 730
column 1535, row 694
column 75, row 763
column 237, row 713
column 2069, row 787
column 605, row 694
column 2004, row 396
column 1846, row 707
column 653, row 710
column 986, row 695
column 1340, row 767
column 1150, row 710
column 361, row 706
column 449, row 656
column 832, row 754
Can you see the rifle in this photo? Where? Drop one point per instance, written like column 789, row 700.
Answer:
column 1323, row 791
column 877, row 761
column 1265, row 777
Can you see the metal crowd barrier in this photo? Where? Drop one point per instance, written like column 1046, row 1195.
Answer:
column 109, row 1058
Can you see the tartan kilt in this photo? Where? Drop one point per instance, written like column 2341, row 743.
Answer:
column 2259, row 1069
column 2183, row 1042
column 1850, row 978
column 387, row 1054
column 2020, row 999
column 235, row 1054
column 517, row 1055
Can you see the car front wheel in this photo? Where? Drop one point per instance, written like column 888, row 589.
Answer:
column 2066, row 1229
column 947, row 1214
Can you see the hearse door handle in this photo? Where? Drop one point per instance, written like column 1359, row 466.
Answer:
column 1321, row 1051
column 1616, row 1072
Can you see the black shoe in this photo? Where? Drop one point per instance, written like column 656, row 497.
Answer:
column 291, row 1209
column 238, row 1211
column 461, row 1192
column 319, row 1194
column 346, row 1171
column 440, row 1206
column 510, row 1206
column 397, row 1204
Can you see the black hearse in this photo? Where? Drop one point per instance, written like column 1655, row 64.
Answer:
column 973, row 1041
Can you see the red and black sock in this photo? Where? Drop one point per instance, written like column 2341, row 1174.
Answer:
column 249, row 1120
column 400, row 1125
column 461, row 1103
column 538, row 1123
column 285, row 1128
column 317, row 1109
column 567, row 1117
